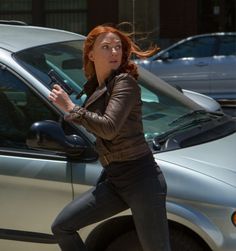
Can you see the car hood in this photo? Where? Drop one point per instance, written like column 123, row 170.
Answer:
column 215, row 159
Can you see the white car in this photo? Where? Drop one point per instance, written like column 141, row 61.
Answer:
column 45, row 161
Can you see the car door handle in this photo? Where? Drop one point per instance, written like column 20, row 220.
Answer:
column 201, row 64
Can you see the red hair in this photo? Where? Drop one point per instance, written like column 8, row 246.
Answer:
column 128, row 48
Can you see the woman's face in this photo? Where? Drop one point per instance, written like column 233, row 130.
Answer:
column 106, row 53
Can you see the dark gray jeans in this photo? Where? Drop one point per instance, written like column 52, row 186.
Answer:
column 138, row 185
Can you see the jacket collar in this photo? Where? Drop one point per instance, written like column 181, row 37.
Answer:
column 92, row 90
column 95, row 95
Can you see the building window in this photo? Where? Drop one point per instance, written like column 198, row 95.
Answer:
column 16, row 10
column 68, row 15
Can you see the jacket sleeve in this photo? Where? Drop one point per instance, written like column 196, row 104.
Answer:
column 124, row 96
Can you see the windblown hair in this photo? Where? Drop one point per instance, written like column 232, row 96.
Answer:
column 128, row 48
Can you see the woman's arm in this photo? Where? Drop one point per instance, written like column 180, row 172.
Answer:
column 124, row 96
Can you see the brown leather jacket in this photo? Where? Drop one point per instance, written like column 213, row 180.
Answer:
column 113, row 114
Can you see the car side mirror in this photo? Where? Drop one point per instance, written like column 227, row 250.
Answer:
column 49, row 135
column 165, row 56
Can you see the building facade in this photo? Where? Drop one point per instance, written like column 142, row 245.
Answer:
column 156, row 21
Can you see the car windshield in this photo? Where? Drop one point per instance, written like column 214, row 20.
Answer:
column 162, row 104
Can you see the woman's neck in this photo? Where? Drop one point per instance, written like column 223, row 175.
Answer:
column 101, row 78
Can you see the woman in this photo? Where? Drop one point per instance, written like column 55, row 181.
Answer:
column 112, row 112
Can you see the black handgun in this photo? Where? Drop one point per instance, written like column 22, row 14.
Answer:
column 57, row 79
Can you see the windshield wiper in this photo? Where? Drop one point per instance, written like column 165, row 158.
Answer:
column 197, row 132
column 189, row 114
column 160, row 139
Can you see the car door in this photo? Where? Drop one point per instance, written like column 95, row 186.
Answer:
column 187, row 64
column 34, row 185
column 223, row 78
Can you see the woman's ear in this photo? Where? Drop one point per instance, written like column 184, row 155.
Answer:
column 90, row 56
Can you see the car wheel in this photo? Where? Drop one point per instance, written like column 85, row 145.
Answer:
column 180, row 241
column 125, row 242
column 110, row 232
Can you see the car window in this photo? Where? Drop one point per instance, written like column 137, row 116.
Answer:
column 158, row 109
column 19, row 109
column 227, row 46
column 195, row 48
column 64, row 58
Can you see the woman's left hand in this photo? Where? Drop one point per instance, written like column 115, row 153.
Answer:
column 59, row 97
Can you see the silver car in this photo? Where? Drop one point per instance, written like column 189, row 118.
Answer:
column 45, row 161
column 202, row 63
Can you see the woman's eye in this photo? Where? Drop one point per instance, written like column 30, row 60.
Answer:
column 118, row 47
column 105, row 47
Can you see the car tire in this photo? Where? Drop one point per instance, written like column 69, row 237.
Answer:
column 184, row 240
column 119, row 233
column 108, row 233
column 125, row 242
column 180, row 241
